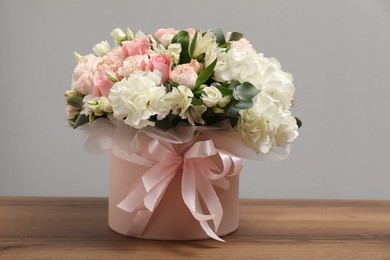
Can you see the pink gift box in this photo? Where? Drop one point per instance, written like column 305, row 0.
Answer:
column 171, row 220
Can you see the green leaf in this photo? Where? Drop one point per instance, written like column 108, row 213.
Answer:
column 245, row 91
column 81, row 120
column 183, row 38
column 157, row 40
column 196, row 101
column 75, row 101
column 224, row 91
column 235, row 36
column 299, row 122
column 174, row 84
column 220, row 37
column 193, row 44
column 205, row 74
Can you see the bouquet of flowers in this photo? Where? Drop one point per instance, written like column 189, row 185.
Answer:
column 188, row 101
column 193, row 76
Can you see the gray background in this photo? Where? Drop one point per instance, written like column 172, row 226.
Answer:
column 338, row 52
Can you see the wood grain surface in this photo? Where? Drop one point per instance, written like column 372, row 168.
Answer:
column 76, row 228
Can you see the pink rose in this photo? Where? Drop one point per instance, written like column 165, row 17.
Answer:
column 102, row 84
column 162, row 63
column 83, row 73
column 133, row 63
column 191, row 32
column 196, row 65
column 136, row 47
column 165, row 35
column 184, row 75
column 242, row 45
column 113, row 59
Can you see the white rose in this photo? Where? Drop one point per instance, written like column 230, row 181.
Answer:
column 118, row 35
column 212, row 97
column 101, row 48
column 224, row 102
column 136, row 99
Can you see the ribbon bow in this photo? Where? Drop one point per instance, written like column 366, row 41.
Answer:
column 199, row 175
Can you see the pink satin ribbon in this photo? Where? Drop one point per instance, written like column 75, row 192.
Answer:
column 199, row 174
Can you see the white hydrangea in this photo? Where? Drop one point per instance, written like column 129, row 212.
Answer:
column 266, row 124
column 237, row 63
column 242, row 63
column 137, row 98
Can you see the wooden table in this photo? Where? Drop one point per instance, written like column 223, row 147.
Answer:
column 76, row 228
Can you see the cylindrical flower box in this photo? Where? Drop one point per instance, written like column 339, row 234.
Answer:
column 171, row 219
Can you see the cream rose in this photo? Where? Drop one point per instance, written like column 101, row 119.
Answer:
column 213, row 96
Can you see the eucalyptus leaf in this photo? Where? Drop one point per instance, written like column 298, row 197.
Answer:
column 245, row 91
column 232, row 84
column 231, row 111
column 220, row 37
column 242, row 105
column 205, row 74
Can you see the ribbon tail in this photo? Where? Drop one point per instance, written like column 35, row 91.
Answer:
column 210, row 198
column 188, row 190
column 206, row 227
column 139, row 222
column 134, row 198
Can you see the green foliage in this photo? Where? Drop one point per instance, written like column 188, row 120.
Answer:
column 235, row 36
column 193, row 44
column 245, row 91
column 220, row 37
column 75, row 101
column 299, row 122
column 81, row 120
column 183, row 38
column 242, row 95
column 205, row 74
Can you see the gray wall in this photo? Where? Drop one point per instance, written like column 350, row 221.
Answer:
column 338, row 52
